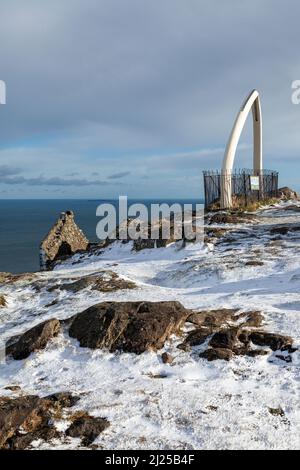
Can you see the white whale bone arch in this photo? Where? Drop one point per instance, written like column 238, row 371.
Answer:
column 2, row 92
column 251, row 102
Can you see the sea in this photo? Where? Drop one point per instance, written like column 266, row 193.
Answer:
column 24, row 223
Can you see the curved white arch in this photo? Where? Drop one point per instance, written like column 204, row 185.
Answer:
column 2, row 92
column 252, row 102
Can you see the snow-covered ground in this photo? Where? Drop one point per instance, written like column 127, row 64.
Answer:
column 195, row 404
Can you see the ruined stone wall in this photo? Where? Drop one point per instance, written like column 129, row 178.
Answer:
column 64, row 239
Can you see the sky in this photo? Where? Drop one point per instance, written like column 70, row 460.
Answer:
column 131, row 97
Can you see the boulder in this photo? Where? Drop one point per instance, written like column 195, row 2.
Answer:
column 129, row 326
column 213, row 354
column 36, row 338
column 282, row 230
column 87, row 428
column 225, row 339
column 167, row 358
column 195, row 338
column 274, row 341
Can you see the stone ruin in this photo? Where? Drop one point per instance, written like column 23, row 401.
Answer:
column 64, row 239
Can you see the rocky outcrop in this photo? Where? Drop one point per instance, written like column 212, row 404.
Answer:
column 239, row 342
column 104, row 281
column 36, row 338
column 28, row 418
column 87, row 428
column 64, row 239
column 287, row 193
column 228, row 333
column 274, row 341
column 137, row 327
column 129, row 326
column 217, row 353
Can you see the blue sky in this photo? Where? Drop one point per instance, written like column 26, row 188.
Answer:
column 109, row 97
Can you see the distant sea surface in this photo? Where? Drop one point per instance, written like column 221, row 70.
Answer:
column 24, row 223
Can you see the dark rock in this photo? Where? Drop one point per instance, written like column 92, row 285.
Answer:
column 128, row 326
column 254, row 263
column 51, row 304
column 2, row 301
column 213, row 354
column 34, row 339
column 28, row 418
column 63, row 399
column 277, row 412
column 167, row 358
column 184, row 347
column 13, row 388
column 28, row 412
column 256, row 352
column 225, row 339
column 273, row 340
column 195, row 338
column 22, row 441
column 279, row 230
column 87, row 428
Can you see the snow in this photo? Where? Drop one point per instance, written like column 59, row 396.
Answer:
column 193, row 403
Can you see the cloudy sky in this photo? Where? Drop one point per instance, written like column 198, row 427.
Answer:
column 109, row 97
